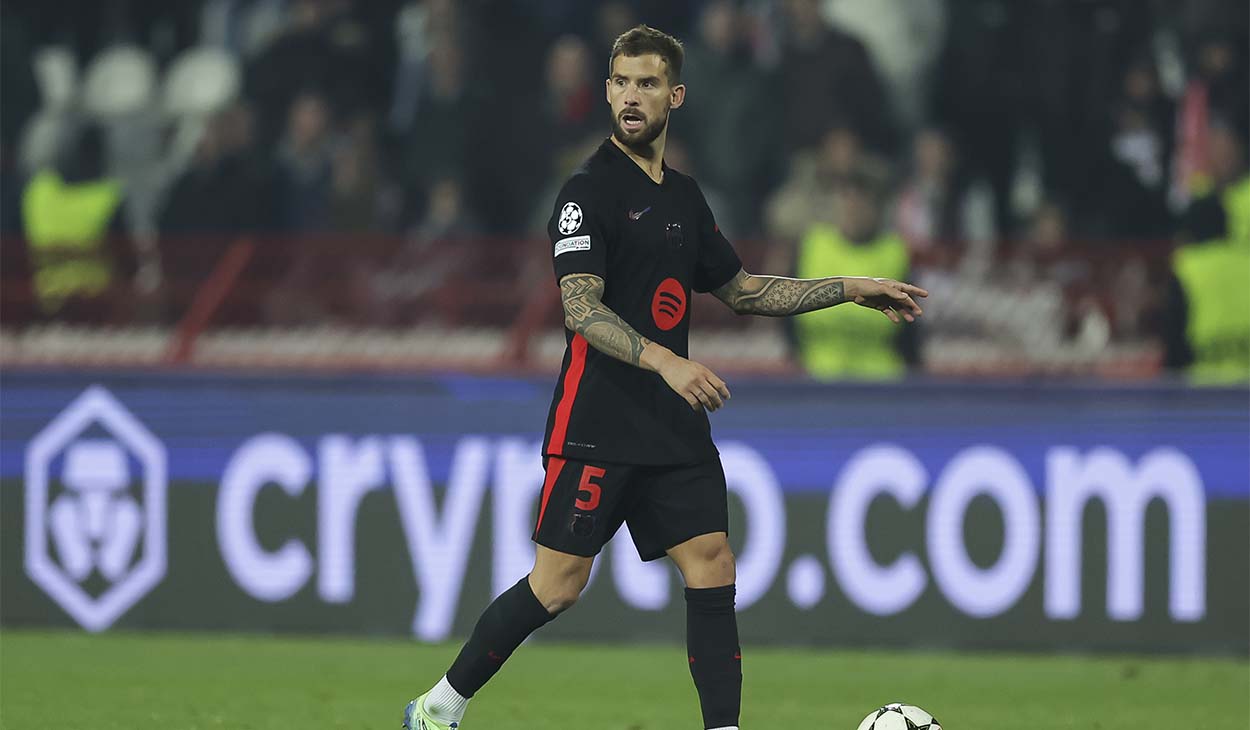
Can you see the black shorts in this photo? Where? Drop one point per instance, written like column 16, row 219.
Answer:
column 583, row 504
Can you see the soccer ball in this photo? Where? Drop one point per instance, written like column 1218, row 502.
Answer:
column 897, row 716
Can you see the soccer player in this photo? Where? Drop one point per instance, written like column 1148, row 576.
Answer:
column 627, row 438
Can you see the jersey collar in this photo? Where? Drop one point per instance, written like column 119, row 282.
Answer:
column 619, row 156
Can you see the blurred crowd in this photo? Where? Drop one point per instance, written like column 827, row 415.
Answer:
column 1007, row 141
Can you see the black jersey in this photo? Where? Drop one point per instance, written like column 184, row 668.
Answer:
column 652, row 244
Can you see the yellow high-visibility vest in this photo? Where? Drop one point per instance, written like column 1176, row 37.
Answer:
column 1236, row 200
column 1216, row 280
column 848, row 341
column 65, row 225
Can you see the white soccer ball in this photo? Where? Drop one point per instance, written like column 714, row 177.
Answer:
column 898, row 716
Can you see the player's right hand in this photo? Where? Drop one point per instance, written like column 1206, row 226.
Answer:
column 697, row 384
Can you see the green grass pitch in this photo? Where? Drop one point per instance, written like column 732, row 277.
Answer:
column 193, row 682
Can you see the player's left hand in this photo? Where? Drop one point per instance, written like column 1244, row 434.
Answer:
column 891, row 298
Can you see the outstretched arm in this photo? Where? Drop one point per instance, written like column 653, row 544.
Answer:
column 586, row 314
column 780, row 296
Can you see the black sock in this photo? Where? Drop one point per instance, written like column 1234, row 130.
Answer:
column 505, row 623
column 715, row 657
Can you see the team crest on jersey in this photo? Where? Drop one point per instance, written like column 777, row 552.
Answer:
column 570, row 218
column 674, row 235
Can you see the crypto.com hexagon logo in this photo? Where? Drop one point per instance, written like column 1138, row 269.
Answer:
column 95, row 522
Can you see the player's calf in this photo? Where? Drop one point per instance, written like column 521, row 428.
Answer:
column 715, row 655
column 553, row 586
column 707, row 565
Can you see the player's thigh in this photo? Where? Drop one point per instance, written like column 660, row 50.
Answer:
column 583, row 505
column 677, row 504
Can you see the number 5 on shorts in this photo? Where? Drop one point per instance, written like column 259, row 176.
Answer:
column 590, row 488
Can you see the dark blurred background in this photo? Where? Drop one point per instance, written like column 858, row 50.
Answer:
column 209, row 182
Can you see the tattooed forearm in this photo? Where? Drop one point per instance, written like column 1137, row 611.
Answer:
column 778, row 296
column 585, row 313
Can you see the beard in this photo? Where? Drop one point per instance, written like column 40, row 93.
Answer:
column 643, row 137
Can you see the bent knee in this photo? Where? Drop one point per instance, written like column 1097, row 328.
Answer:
column 723, row 566
column 558, row 589
column 561, row 601
column 713, row 567
column 560, row 595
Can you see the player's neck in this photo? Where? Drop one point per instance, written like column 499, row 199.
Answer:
column 650, row 158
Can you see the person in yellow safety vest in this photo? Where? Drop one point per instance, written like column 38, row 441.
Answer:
column 1207, row 317
column 844, row 343
column 66, row 220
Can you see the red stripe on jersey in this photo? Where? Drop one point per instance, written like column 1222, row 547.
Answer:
column 554, row 465
column 572, row 379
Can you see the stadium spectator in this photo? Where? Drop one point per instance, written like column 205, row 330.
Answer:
column 1230, row 153
column 332, row 186
column 1206, row 319
column 420, row 27
column 72, row 218
column 1132, row 176
column 446, row 214
column 1045, row 256
column 936, row 207
column 803, row 199
column 904, row 39
column 1071, row 86
column 544, row 128
column 852, row 344
column 732, row 109
column 361, row 200
column 826, row 76
column 326, row 47
column 1219, row 80
column 1224, row 212
column 438, row 145
column 983, row 67
column 304, row 156
column 1047, row 234
column 573, row 95
column 229, row 187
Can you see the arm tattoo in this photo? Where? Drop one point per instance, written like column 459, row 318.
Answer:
column 585, row 313
column 779, row 296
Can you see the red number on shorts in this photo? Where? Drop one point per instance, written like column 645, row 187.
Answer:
column 590, row 503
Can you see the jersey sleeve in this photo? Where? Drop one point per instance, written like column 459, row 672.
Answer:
column 718, row 262
column 578, row 231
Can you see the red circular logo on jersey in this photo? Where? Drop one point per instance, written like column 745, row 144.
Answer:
column 668, row 305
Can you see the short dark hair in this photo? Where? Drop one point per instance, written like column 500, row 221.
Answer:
column 642, row 40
